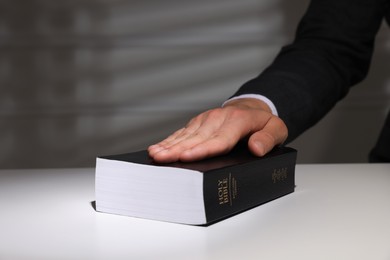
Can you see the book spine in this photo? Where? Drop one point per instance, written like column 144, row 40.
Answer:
column 231, row 190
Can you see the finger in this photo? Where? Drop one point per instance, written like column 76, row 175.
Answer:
column 219, row 142
column 152, row 149
column 274, row 133
column 174, row 152
column 181, row 134
column 197, row 131
column 213, row 146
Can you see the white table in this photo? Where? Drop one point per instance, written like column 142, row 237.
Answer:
column 337, row 212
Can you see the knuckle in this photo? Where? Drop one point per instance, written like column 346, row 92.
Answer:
column 215, row 113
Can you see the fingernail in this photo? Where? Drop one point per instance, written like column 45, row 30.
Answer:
column 157, row 149
column 260, row 148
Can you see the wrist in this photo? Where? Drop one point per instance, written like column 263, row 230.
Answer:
column 251, row 103
column 266, row 105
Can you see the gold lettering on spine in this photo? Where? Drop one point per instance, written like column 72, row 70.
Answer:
column 223, row 191
column 227, row 190
column 279, row 175
column 234, row 188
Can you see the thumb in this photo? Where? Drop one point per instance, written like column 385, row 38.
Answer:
column 274, row 133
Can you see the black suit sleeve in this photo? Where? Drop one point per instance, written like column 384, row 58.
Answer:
column 331, row 52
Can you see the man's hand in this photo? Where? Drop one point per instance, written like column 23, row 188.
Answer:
column 218, row 130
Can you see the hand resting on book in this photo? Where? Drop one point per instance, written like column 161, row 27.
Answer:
column 218, row 130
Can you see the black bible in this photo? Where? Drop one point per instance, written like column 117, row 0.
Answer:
column 196, row 193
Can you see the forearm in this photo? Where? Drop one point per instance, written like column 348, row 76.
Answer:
column 331, row 53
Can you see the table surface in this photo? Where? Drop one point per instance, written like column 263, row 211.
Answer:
column 338, row 211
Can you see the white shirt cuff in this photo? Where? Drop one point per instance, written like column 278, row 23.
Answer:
column 259, row 97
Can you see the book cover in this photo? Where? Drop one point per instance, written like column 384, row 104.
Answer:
column 198, row 193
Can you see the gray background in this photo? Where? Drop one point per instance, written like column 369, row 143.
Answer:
column 82, row 78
